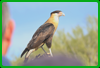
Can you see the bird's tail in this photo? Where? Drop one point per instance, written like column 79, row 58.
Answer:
column 26, row 50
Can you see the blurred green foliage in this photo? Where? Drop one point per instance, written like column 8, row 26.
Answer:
column 78, row 45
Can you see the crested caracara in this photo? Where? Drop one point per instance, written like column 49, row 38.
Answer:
column 43, row 34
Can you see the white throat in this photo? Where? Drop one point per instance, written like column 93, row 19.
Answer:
column 56, row 18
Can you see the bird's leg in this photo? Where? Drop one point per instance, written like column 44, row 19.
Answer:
column 50, row 52
column 43, row 49
column 28, row 54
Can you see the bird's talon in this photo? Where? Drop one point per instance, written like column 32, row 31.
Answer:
column 49, row 55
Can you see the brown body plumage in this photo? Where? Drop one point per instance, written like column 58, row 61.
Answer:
column 43, row 34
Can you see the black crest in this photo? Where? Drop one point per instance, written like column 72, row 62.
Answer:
column 57, row 11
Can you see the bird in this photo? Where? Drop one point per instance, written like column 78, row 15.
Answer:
column 43, row 34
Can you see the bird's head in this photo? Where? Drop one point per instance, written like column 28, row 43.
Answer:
column 57, row 13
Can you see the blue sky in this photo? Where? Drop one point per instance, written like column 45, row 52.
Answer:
column 28, row 16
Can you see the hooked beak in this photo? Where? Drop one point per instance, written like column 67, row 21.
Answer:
column 63, row 14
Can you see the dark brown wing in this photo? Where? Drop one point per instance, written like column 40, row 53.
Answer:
column 49, row 41
column 41, row 35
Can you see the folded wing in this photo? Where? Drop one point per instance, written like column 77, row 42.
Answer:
column 41, row 35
